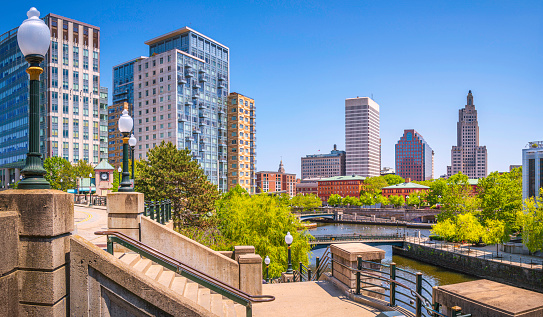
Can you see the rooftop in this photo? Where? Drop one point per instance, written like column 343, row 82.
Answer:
column 185, row 29
column 343, row 178
column 407, row 185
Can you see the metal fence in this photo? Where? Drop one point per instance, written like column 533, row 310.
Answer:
column 159, row 210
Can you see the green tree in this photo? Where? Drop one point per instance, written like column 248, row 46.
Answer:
column 495, row 232
column 169, row 173
column 59, row 173
column 382, row 200
column 530, row 221
column 82, row 169
column 263, row 221
column 457, row 197
column 468, row 228
column 501, row 196
column 350, row 201
column 445, row 229
column 334, row 200
column 414, row 200
column 373, row 186
column 116, row 181
column 397, row 201
column 392, row 179
column 367, row 199
column 436, row 192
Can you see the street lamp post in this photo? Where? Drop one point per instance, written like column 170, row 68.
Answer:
column 90, row 189
column 34, row 37
column 267, row 262
column 132, row 142
column 125, row 126
column 288, row 240
column 120, row 171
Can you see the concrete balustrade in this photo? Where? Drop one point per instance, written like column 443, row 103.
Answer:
column 124, row 211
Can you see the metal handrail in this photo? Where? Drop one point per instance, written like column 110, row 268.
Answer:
column 187, row 271
column 424, row 301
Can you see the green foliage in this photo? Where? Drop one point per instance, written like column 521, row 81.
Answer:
column 457, row 197
column 393, row 179
column 82, row 169
column 334, row 200
column 495, row 231
column 306, row 202
column 373, row 186
column 414, row 199
column 397, row 201
column 116, row 181
column 262, row 221
column 530, row 222
column 60, row 173
column 501, row 196
column 350, row 201
column 367, row 199
column 468, row 228
column 383, row 200
column 436, row 192
column 169, row 173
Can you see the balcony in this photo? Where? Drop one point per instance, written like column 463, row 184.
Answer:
column 189, row 73
column 222, row 127
column 189, row 138
column 195, row 84
column 221, row 85
column 203, row 115
column 222, row 143
column 181, row 80
column 222, row 158
column 204, row 78
column 182, row 117
column 202, row 105
column 188, row 102
column 196, row 131
column 196, row 95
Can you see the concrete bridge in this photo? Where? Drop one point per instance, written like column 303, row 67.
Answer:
column 401, row 214
column 319, row 241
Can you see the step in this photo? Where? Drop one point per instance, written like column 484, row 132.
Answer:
column 178, row 284
column 204, row 298
column 130, row 258
column 154, row 271
column 228, row 307
column 216, row 305
column 191, row 291
column 143, row 265
column 166, row 278
column 240, row 309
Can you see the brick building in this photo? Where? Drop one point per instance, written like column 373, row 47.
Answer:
column 115, row 138
column 341, row 185
column 403, row 189
column 270, row 182
column 308, row 186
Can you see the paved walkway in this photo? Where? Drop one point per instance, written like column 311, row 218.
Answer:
column 488, row 252
column 88, row 220
column 310, row 299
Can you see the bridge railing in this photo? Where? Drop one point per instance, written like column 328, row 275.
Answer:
column 355, row 237
column 159, row 210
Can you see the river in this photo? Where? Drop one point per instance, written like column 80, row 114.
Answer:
column 435, row 276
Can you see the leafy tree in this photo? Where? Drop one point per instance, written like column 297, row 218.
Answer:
column 397, row 201
column 468, row 228
column 262, row 221
column 116, row 181
column 436, row 192
column 530, row 220
column 350, row 201
column 306, row 202
column 457, row 197
column 169, row 173
column 414, row 199
column 382, row 200
column 445, row 229
column 367, row 199
column 82, row 169
column 373, row 186
column 59, row 169
column 393, row 179
column 495, row 232
column 334, row 200
column 501, row 196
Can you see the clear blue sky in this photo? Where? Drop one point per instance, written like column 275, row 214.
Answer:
column 299, row 61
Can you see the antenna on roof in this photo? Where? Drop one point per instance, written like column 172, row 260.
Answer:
column 371, row 96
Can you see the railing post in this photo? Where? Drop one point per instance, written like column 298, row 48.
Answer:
column 249, row 310
column 456, row 311
column 418, row 307
column 161, row 219
column 145, row 208
column 301, row 266
column 435, row 305
column 152, row 209
column 309, row 274
column 109, row 245
column 393, row 284
column 358, row 267
column 317, row 263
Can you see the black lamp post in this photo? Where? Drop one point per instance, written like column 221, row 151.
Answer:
column 125, row 126
column 288, row 240
column 267, row 262
column 132, row 142
column 120, row 171
column 34, row 37
column 90, row 189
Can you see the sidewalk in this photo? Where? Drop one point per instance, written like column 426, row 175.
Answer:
column 487, row 252
column 88, row 220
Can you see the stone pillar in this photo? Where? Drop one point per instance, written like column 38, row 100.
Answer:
column 45, row 220
column 124, row 211
column 240, row 250
column 250, row 273
column 9, row 238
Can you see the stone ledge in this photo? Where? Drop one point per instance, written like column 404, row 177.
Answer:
column 43, row 253
column 9, row 236
column 42, row 212
column 125, row 203
column 56, row 310
column 42, row 287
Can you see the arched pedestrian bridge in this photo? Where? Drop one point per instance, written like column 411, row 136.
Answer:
column 320, row 241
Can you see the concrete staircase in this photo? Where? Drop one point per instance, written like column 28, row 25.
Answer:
column 209, row 300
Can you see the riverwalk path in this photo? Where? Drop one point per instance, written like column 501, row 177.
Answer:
column 88, row 220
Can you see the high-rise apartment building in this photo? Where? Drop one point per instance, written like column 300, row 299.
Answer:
column 180, row 95
column 273, row 182
column 324, row 165
column 467, row 156
column 414, row 157
column 362, row 137
column 115, row 140
column 69, row 95
column 532, row 169
column 103, row 123
column 241, row 136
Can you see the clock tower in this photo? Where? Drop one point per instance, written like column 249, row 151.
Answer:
column 104, row 178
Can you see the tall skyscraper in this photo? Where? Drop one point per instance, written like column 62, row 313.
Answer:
column 241, row 142
column 467, row 156
column 324, row 165
column 414, row 157
column 362, row 137
column 69, row 95
column 180, row 95
column 532, row 169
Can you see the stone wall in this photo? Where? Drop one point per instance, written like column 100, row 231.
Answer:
column 492, row 270
column 9, row 254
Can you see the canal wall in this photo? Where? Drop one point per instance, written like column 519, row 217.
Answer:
column 497, row 271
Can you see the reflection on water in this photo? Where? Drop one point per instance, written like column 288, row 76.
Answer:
column 433, row 274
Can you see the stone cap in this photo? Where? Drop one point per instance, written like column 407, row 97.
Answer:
column 479, row 295
column 243, row 249
column 250, row 259
column 350, row 251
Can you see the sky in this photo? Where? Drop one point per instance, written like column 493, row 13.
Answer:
column 300, row 60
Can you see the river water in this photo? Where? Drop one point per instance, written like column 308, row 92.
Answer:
column 435, row 276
